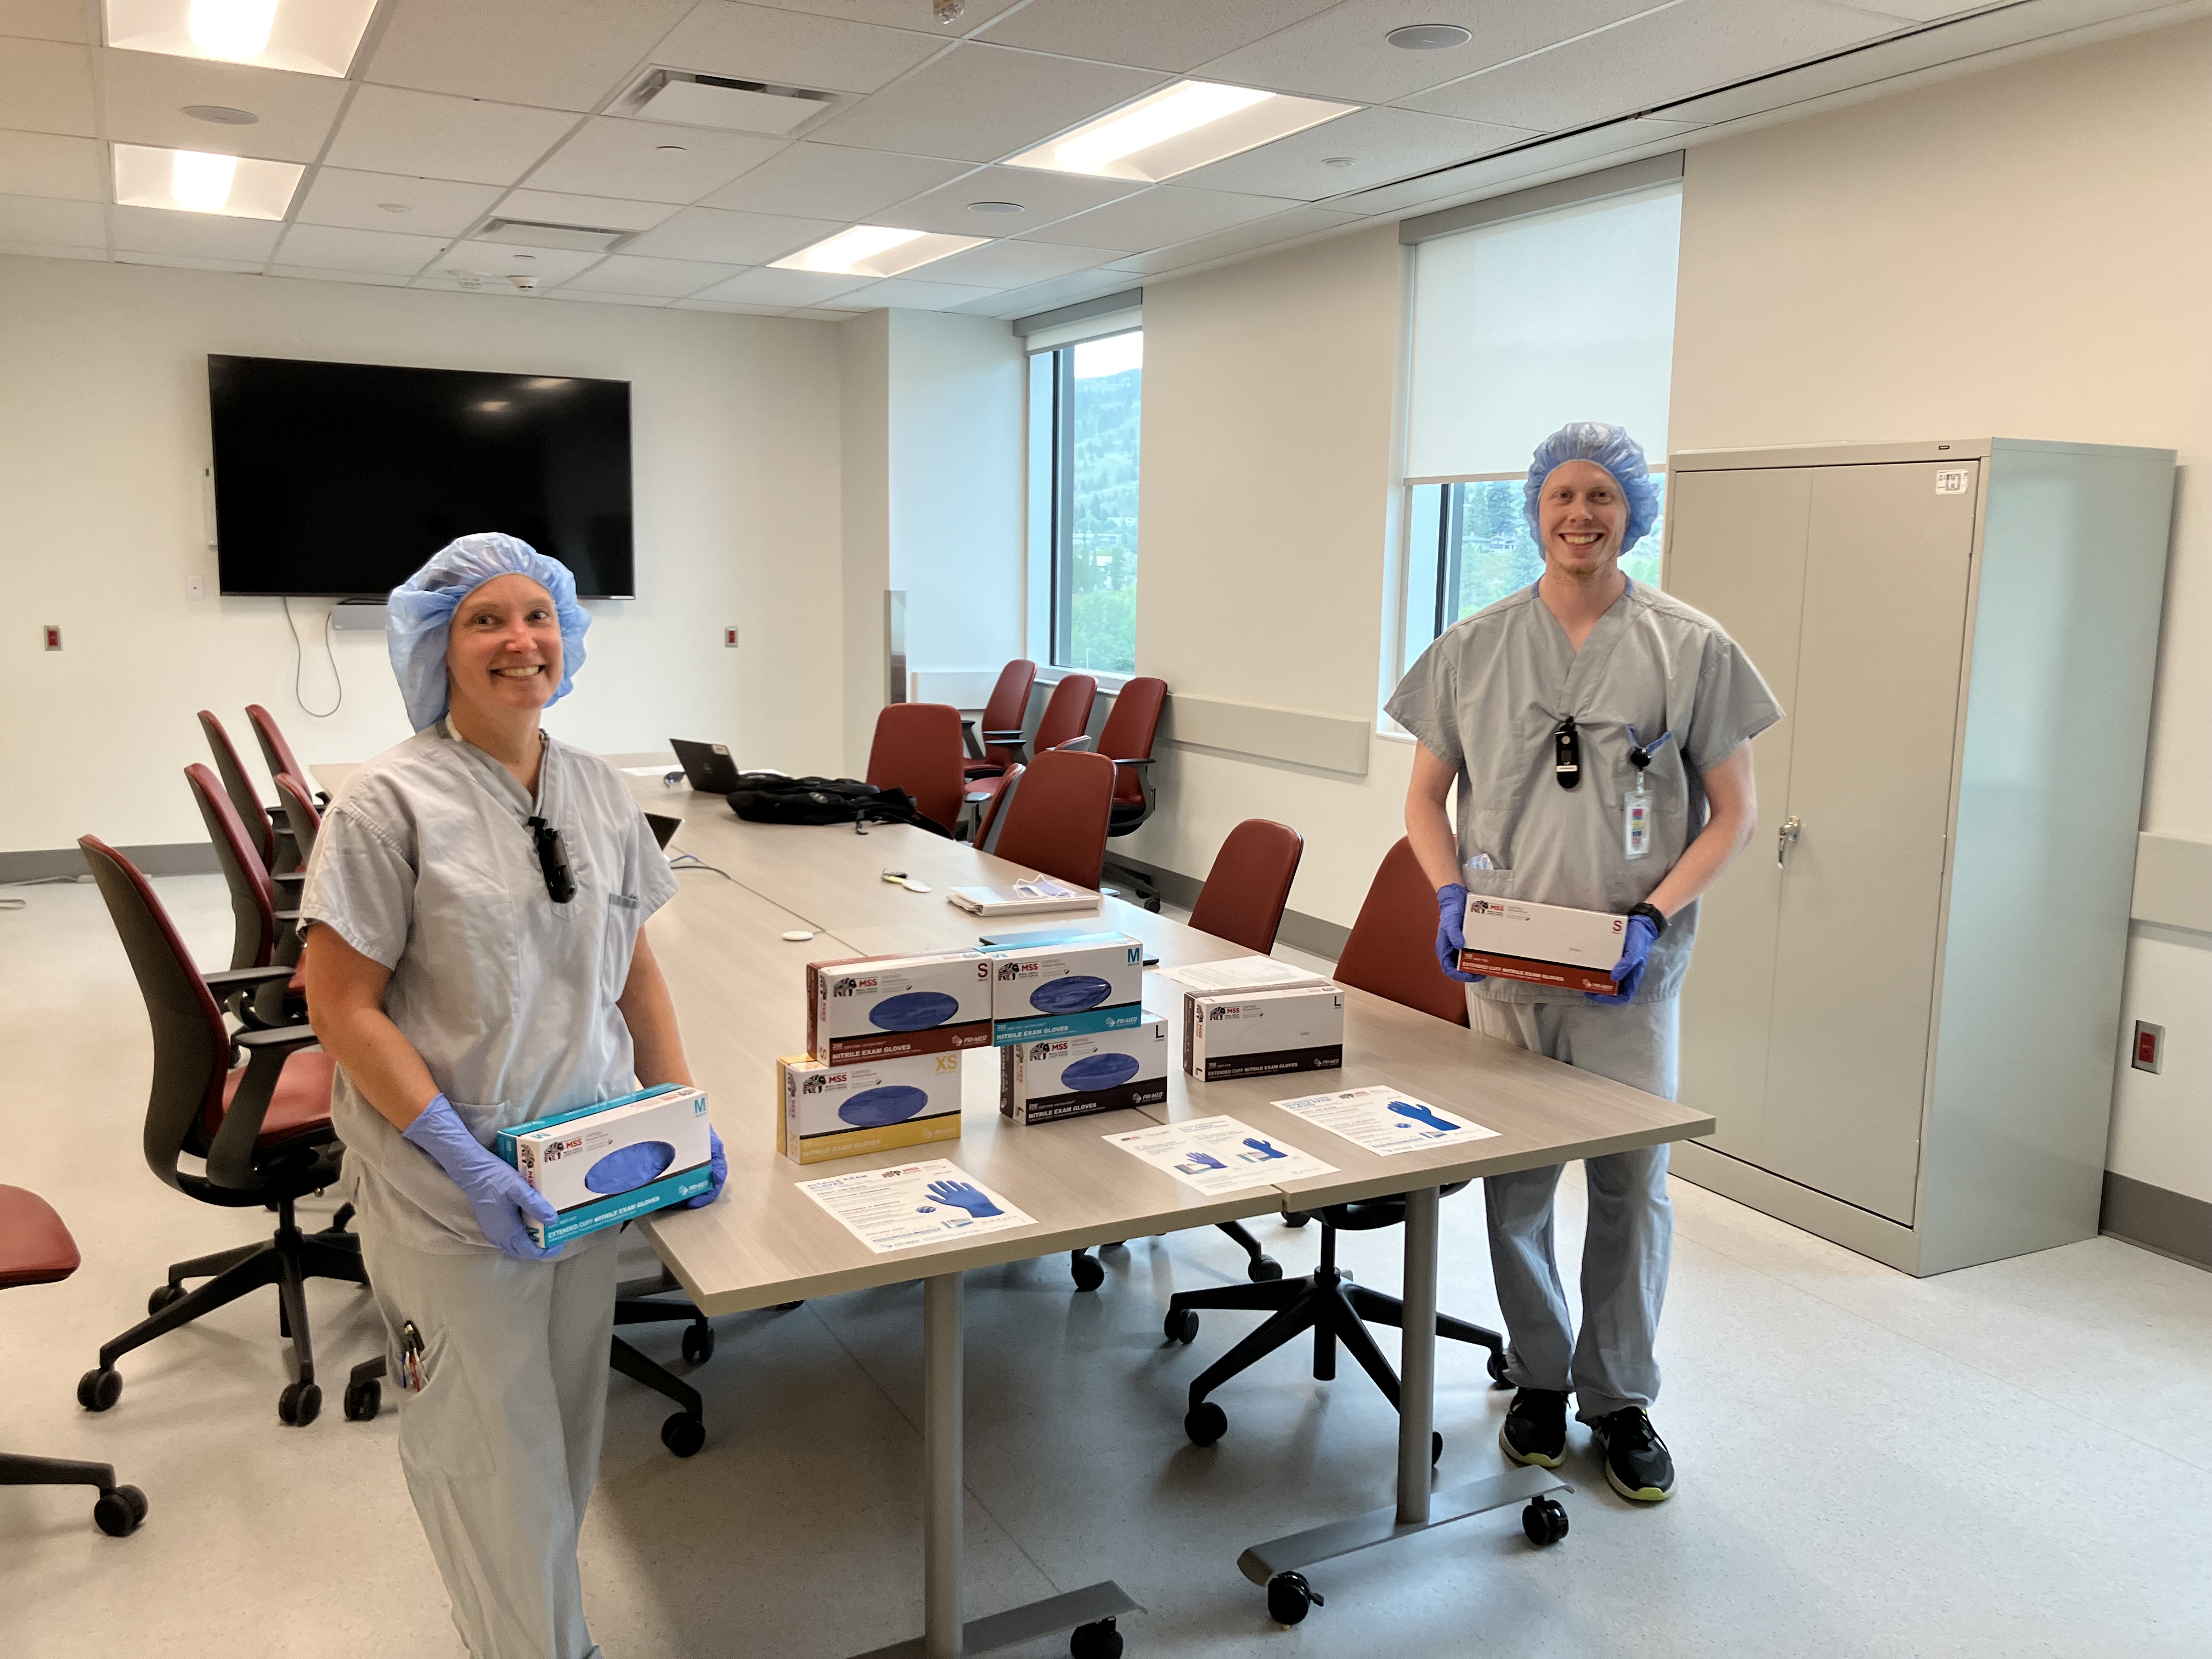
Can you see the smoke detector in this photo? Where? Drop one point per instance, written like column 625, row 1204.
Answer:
column 689, row 99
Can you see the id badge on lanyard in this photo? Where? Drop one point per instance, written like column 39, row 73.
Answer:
column 1636, row 805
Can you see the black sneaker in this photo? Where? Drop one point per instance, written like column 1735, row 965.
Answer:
column 1535, row 1428
column 1637, row 1463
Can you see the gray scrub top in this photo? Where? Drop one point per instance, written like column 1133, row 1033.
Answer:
column 425, row 863
column 1486, row 698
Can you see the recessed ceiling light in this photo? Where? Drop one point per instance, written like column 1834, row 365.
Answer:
column 195, row 181
column 875, row 250
column 1178, row 128
column 311, row 37
column 222, row 114
column 996, row 206
column 1428, row 37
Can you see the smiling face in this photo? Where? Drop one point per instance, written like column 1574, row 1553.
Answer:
column 503, row 655
column 1580, row 516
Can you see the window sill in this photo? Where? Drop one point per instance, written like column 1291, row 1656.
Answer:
column 1108, row 682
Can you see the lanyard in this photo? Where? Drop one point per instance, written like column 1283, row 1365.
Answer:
column 1640, row 754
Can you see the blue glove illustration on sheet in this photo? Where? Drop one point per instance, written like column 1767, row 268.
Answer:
column 1635, row 956
column 495, row 1189
column 960, row 1195
column 1206, row 1161
column 1413, row 1111
column 1451, row 918
column 1261, row 1147
column 718, row 1171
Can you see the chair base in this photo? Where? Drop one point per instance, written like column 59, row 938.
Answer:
column 639, row 1301
column 1120, row 881
column 117, row 1511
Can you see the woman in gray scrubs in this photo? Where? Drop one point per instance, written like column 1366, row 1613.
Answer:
column 475, row 960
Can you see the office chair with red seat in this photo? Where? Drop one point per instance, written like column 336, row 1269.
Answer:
column 261, row 1130
column 36, row 1248
column 994, row 808
column 1126, row 740
column 262, row 936
column 1066, row 716
column 1390, row 955
column 302, row 815
column 263, row 823
column 1056, row 823
column 277, row 752
column 1001, row 721
column 917, row 749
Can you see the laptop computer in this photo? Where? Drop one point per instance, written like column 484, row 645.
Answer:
column 707, row 765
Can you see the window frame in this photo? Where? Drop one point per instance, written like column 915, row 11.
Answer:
column 1052, row 508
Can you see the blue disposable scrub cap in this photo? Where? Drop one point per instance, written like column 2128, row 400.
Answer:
column 1610, row 447
column 419, row 616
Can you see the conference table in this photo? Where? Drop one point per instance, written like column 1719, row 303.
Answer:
column 739, row 988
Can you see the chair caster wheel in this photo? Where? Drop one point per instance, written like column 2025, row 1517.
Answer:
column 1205, row 1423
column 1496, row 1366
column 785, row 1307
column 162, row 1296
column 698, row 1343
column 298, row 1404
column 117, row 1513
column 98, row 1388
column 1295, row 1218
column 1087, row 1272
column 1181, row 1325
column 1094, row 1641
column 1264, row 1270
column 683, row 1434
column 1545, row 1521
column 1289, row 1597
column 364, row 1400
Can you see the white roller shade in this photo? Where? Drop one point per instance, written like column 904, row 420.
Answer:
column 1522, row 327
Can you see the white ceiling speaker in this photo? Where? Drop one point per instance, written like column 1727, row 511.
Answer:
column 1428, row 37
column 685, row 97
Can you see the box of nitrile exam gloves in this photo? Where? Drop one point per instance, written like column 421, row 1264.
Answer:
column 1076, row 984
column 1542, row 944
column 1291, row 1028
column 866, row 1008
column 602, row 1165
column 841, row 1111
column 1054, row 1078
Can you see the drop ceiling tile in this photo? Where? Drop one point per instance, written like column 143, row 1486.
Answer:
column 782, row 288
column 792, row 48
column 365, row 201
column 907, row 294
column 904, row 14
column 311, row 273
column 1045, row 196
column 392, row 129
column 1244, row 239
column 41, row 219
column 556, row 54
column 665, row 279
column 1341, row 53
column 548, row 264
column 1016, row 264
column 733, row 238
column 1049, row 296
column 1154, row 217
column 52, row 250
column 1165, row 34
column 1642, row 65
column 829, row 181
column 980, row 103
column 186, row 261
column 148, row 91
column 496, row 288
column 606, row 212
column 201, row 235
column 1382, row 146
column 322, row 247
column 45, row 20
column 43, row 164
column 649, row 302
column 650, row 161
column 46, row 87
column 727, row 306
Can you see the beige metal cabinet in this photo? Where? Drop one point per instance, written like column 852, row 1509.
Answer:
column 1905, row 999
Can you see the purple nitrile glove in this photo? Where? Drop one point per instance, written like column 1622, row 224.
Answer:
column 718, row 1170
column 1451, row 919
column 1635, row 954
column 495, row 1189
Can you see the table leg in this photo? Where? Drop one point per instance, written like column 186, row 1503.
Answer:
column 944, row 1455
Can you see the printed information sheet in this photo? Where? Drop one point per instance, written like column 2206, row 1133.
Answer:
column 1239, row 974
column 912, row 1204
column 1385, row 1120
column 1219, row 1155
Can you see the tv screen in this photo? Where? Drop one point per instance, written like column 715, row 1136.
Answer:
column 339, row 480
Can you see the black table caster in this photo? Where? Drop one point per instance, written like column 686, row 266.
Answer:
column 1099, row 1640
column 1545, row 1521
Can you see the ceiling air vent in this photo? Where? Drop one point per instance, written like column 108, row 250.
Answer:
column 532, row 233
column 716, row 100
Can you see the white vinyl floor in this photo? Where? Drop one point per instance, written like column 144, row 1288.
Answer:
column 2013, row 1460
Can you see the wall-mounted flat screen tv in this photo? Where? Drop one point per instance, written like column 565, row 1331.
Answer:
column 339, row 480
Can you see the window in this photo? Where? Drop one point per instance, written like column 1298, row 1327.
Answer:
column 1520, row 326
column 1085, row 401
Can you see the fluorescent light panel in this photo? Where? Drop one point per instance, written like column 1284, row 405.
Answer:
column 875, row 250
column 1178, row 128
column 198, row 181
column 312, row 37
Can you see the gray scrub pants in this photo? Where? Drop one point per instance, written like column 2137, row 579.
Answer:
column 1630, row 1229
column 501, row 1444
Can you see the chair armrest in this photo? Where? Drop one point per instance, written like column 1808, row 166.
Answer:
column 1003, row 737
column 295, row 876
column 1075, row 744
column 240, row 979
column 230, row 1159
column 282, row 1039
column 291, row 916
column 1147, row 761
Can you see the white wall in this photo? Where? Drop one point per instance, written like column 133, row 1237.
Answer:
column 104, row 432
column 2021, row 253
column 864, row 344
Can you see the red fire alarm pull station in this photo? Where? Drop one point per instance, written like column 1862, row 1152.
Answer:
column 54, row 637
column 2150, row 1047
column 729, row 636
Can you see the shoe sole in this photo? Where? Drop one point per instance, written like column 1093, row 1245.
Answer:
column 1636, row 1494
column 1520, row 1456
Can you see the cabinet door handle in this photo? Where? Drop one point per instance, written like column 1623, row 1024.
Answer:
column 1784, row 839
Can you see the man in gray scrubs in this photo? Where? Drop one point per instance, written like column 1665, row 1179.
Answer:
column 1595, row 735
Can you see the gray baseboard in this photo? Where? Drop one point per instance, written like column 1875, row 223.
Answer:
column 2173, row 1224
column 1299, row 930
column 181, row 858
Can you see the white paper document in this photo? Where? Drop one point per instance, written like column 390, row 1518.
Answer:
column 1386, row 1120
column 912, row 1204
column 660, row 771
column 1219, row 1155
column 1238, row 973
